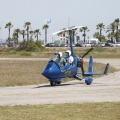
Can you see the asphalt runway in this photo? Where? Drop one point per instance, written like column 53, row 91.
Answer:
column 103, row 89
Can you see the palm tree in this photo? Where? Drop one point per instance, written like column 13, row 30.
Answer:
column 14, row 37
column 96, row 35
column 23, row 33
column 100, row 27
column 27, row 26
column 37, row 32
column 84, row 30
column 16, row 33
column 31, row 35
column 116, row 25
column 111, row 36
column 45, row 27
column 9, row 26
column 111, row 29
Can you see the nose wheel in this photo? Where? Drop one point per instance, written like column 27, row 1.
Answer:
column 53, row 83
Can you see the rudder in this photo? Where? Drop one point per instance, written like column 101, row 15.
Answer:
column 90, row 68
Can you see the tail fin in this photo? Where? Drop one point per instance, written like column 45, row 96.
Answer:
column 106, row 68
column 90, row 68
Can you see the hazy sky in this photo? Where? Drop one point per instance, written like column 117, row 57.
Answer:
column 81, row 12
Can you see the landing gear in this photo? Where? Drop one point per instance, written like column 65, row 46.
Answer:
column 59, row 82
column 52, row 83
column 88, row 81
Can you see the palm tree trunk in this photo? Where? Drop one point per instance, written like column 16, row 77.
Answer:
column 23, row 37
column 17, row 39
column 27, row 34
column 45, row 35
column 37, row 37
column 9, row 38
column 116, row 33
column 84, row 36
column 100, row 35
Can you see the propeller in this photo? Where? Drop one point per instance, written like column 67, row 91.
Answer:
column 87, row 52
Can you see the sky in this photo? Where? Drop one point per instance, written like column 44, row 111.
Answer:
column 61, row 12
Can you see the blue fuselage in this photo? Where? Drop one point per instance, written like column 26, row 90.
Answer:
column 55, row 73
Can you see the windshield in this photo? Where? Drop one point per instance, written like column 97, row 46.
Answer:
column 53, row 57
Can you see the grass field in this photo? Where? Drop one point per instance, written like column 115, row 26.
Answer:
column 29, row 72
column 73, row 111
column 97, row 52
column 21, row 73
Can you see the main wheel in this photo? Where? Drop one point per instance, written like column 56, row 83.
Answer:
column 52, row 83
column 59, row 82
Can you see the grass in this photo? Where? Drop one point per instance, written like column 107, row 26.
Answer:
column 98, row 52
column 29, row 72
column 19, row 73
column 70, row 111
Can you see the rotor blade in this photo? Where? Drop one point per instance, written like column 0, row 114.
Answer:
column 71, row 28
column 87, row 52
column 76, row 27
column 55, row 33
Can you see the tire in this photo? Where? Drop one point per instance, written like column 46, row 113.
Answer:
column 59, row 82
column 52, row 83
column 88, row 83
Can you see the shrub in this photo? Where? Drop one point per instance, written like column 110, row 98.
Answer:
column 32, row 47
column 39, row 44
column 23, row 45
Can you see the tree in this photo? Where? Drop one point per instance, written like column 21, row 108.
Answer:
column 100, row 27
column 23, row 33
column 116, row 25
column 16, row 34
column 27, row 26
column 37, row 32
column 111, row 30
column 9, row 26
column 111, row 36
column 45, row 27
column 84, row 30
column 97, row 35
column 31, row 35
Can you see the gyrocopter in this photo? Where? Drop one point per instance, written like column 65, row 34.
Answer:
column 55, row 74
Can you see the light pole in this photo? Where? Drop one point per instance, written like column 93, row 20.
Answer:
column 68, row 22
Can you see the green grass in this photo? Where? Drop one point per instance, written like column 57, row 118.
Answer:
column 19, row 73
column 70, row 111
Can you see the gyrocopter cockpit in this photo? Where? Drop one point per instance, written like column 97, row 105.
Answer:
column 58, row 58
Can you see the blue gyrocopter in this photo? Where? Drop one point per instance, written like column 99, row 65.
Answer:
column 56, row 74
